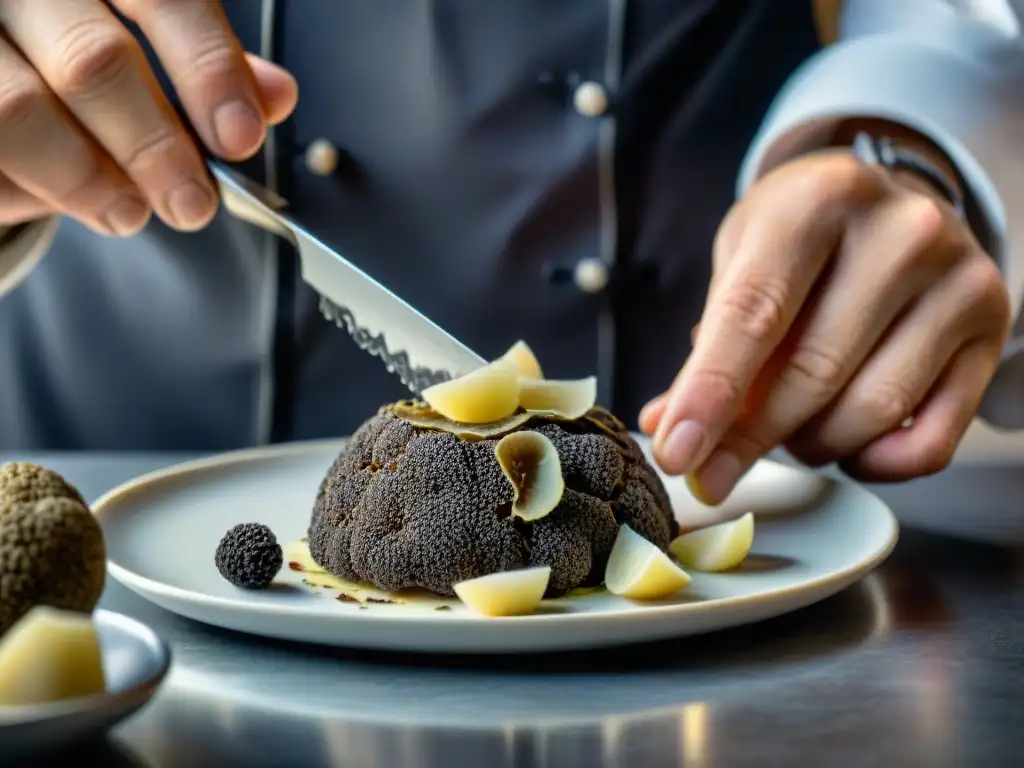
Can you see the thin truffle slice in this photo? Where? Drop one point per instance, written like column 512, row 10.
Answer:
column 531, row 464
column 524, row 360
column 423, row 416
column 569, row 399
column 487, row 394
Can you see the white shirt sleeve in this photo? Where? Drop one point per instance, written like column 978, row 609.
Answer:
column 951, row 70
column 21, row 248
column 954, row 71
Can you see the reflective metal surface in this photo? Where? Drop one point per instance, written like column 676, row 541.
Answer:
column 922, row 664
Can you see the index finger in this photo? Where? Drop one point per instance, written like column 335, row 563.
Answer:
column 204, row 60
column 756, row 299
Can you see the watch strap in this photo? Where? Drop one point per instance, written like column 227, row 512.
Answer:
column 884, row 152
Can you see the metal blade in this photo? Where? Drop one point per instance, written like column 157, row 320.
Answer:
column 418, row 351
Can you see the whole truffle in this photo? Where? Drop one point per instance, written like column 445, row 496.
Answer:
column 51, row 553
column 249, row 556
column 403, row 506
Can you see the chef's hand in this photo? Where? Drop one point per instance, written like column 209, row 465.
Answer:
column 845, row 301
column 85, row 130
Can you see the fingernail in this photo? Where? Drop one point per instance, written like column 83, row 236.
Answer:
column 683, row 446
column 127, row 215
column 191, row 204
column 238, row 127
column 718, row 477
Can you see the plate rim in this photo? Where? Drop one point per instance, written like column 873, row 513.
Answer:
column 134, row 581
column 122, row 701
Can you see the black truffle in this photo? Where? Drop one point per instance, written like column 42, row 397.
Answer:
column 403, row 506
column 249, row 556
column 51, row 546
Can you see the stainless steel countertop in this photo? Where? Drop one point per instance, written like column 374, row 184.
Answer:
column 922, row 664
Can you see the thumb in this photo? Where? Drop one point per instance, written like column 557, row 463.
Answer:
column 278, row 90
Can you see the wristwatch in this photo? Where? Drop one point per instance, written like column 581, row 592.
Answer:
column 886, row 153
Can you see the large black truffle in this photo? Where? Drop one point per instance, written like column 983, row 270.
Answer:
column 249, row 556
column 403, row 506
column 51, row 546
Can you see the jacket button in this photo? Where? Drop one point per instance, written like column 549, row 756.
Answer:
column 590, row 99
column 590, row 275
column 321, row 157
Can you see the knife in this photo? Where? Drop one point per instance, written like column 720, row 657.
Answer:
column 412, row 347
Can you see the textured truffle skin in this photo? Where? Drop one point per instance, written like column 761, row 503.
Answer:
column 21, row 481
column 51, row 553
column 249, row 556
column 406, row 507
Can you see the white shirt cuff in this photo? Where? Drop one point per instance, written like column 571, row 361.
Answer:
column 960, row 93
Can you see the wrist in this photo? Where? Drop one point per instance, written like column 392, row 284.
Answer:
column 846, row 132
column 910, row 159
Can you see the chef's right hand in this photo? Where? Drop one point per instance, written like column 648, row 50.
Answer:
column 85, row 129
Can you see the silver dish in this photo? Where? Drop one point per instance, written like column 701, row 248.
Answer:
column 135, row 661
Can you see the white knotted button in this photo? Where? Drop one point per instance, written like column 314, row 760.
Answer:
column 321, row 157
column 590, row 99
column 590, row 275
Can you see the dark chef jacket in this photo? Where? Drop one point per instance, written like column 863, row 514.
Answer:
column 470, row 181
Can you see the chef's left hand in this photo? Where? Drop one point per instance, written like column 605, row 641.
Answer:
column 845, row 302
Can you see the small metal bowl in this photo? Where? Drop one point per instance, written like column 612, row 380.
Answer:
column 135, row 662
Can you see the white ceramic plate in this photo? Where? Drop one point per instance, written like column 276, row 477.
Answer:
column 813, row 538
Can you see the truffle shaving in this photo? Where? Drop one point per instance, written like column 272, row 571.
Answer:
column 524, row 360
column 569, row 399
column 531, row 464
column 423, row 416
column 483, row 396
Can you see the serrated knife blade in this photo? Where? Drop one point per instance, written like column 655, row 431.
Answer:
column 409, row 344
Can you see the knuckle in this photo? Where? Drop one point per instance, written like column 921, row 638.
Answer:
column 93, row 54
column 755, row 309
column 887, row 404
column 154, row 148
column 719, row 390
column 82, row 188
column 983, row 285
column 213, row 56
column 922, row 229
column 20, row 98
column 926, row 221
column 839, row 178
column 815, row 368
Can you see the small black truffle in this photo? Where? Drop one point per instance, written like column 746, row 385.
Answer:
column 249, row 556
